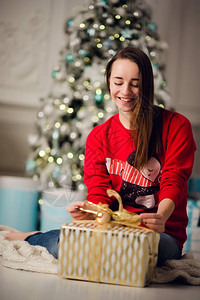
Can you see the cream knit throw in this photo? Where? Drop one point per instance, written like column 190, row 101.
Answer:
column 186, row 270
column 21, row 255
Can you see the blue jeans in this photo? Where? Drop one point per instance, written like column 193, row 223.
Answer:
column 168, row 247
column 49, row 240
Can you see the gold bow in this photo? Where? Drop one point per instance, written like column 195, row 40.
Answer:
column 122, row 216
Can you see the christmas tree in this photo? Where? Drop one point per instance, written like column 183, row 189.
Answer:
column 79, row 99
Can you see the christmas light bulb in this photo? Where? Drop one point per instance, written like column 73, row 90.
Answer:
column 102, row 27
column 40, row 114
column 62, row 107
column 82, row 25
column 78, row 177
column 42, row 153
column 81, row 187
column 70, row 155
column 50, row 159
column 106, row 96
column 59, row 160
column 66, row 100
column 71, row 79
column 95, row 119
column 86, row 59
column 81, row 157
column 70, row 110
column 73, row 135
column 100, row 115
column 152, row 53
column 85, row 97
column 98, row 91
column 127, row 22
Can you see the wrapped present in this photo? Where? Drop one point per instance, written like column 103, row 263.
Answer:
column 109, row 253
column 193, row 229
column 116, row 254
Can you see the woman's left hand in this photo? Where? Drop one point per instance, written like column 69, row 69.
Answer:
column 153, row 221
column 156, row 221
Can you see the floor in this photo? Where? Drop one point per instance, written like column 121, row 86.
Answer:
column 23, row 285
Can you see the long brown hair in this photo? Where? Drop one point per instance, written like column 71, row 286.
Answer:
column 146, row 117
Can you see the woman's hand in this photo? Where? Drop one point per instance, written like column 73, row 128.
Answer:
column 153, row 221
column 76, row 214
column 156, row 221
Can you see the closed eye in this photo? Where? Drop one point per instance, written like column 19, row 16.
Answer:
column 132, row 84
column 150, row 170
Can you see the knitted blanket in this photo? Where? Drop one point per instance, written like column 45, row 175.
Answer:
column 21, row 255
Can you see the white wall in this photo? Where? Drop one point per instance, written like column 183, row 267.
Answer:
column 31, row 36
column 178, row 23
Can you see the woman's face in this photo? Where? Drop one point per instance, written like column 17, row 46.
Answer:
column 124, row 84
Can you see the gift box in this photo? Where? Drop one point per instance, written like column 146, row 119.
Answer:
column 53, row 207
column 193, row 229
column 19, row 203
column 110, row 253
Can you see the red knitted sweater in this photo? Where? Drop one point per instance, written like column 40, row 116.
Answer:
column 109, row 160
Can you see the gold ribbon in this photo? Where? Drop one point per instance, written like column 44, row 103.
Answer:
column 122, row 216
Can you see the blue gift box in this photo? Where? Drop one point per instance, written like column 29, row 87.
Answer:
column 18, row 203
column 193, row 210
column 53, row 207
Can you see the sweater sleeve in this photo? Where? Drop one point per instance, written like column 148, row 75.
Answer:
column 96, row 177
column 179, row 149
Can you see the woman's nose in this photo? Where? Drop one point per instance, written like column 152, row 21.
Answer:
column 126, row 89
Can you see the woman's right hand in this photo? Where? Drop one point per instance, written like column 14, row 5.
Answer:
column 77, row 214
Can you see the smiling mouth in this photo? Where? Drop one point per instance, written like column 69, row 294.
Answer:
column 126, row 99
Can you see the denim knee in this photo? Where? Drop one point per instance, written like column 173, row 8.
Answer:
column 168, row 248
column 49, row 240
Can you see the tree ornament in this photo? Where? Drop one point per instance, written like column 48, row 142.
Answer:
column 83, row 53
column 110, row 21
column 68, row 26
column 152, row 26
column 54, row 73
column 30, row 165
column 98, row 98
column 69, row 57
column 127, row 33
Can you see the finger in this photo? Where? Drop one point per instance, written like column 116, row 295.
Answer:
column 81, row 216
column 72, row 208
column 77, row 214
column 153, row 221
column 155, row 224
column 158, row 228
column 150, row 216
column 85, row 216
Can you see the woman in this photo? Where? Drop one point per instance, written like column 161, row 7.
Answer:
column 145, row 153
